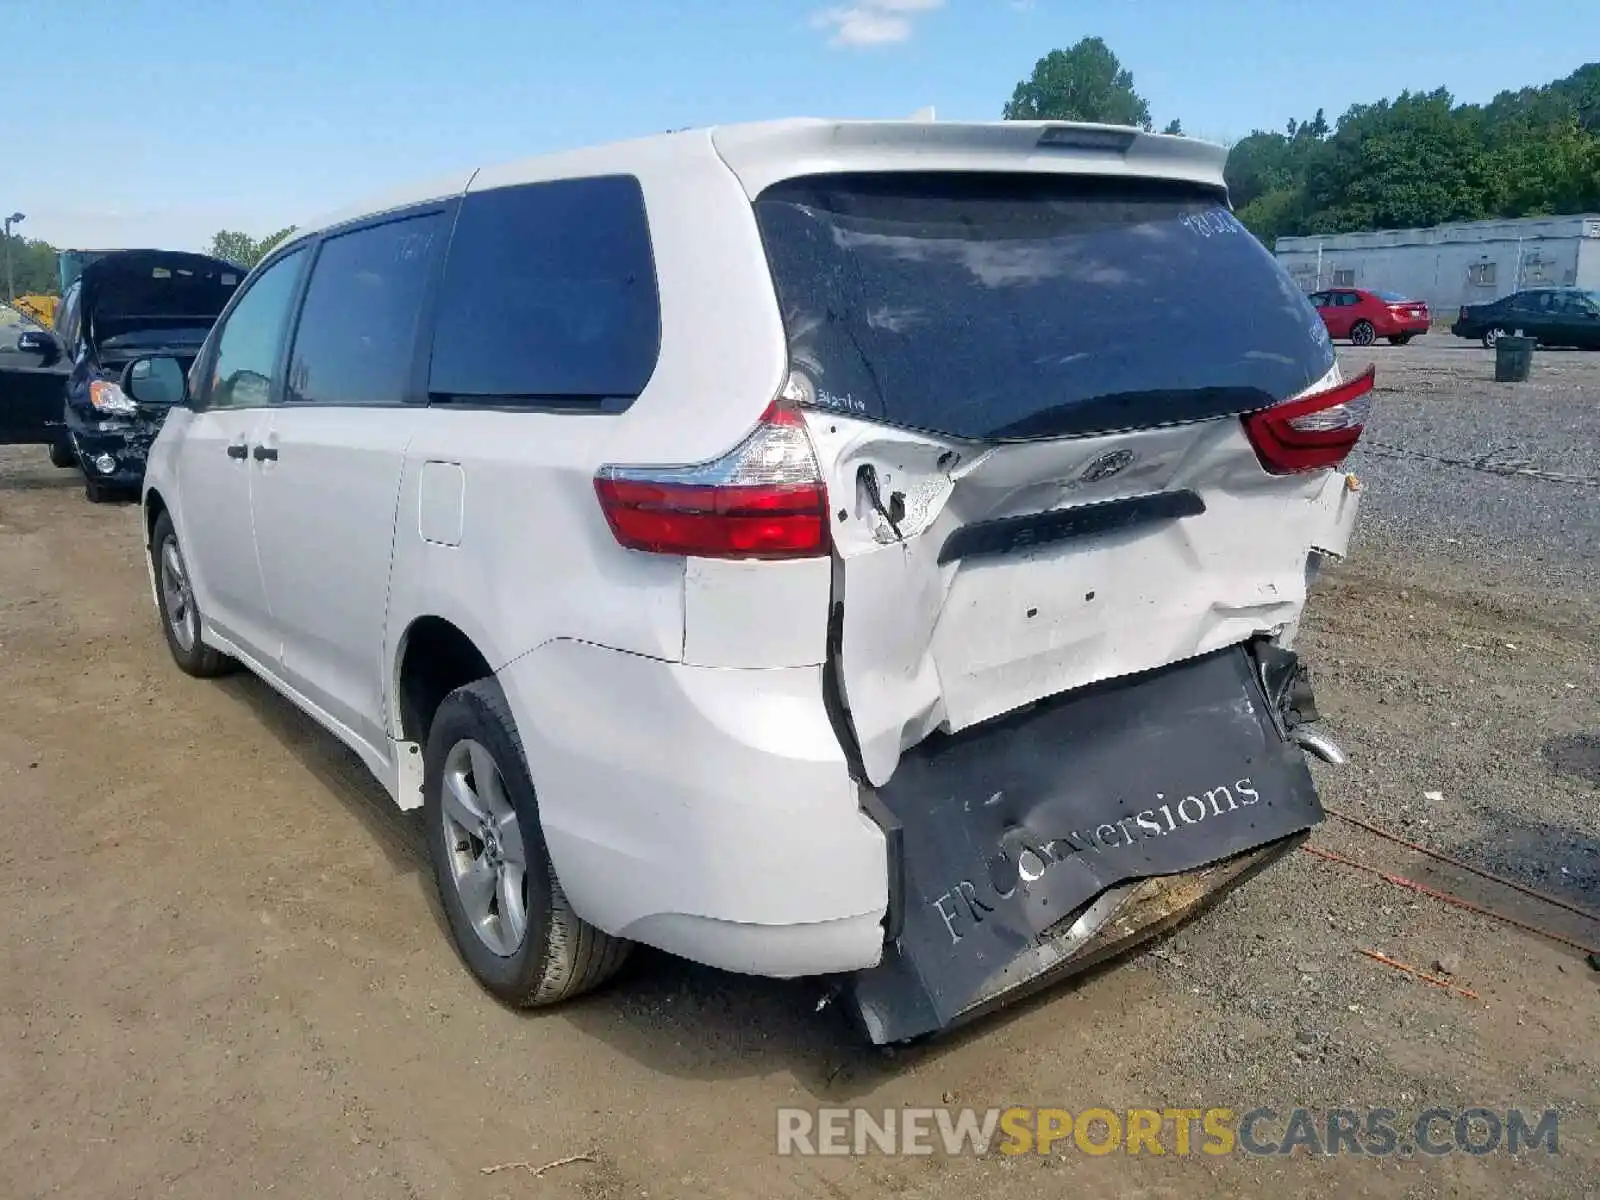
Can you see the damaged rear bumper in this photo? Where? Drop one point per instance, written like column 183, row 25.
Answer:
column 1032, row 847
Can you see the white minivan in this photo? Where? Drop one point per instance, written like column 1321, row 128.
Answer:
column 854, row 549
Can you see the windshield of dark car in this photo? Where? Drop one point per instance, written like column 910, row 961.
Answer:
column 155, row 339
column 1011, row 306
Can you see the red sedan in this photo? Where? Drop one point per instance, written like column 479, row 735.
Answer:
column 1364, row 316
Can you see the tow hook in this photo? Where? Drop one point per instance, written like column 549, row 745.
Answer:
column 1318, row 743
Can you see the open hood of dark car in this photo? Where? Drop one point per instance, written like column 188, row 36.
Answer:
column 136, row 291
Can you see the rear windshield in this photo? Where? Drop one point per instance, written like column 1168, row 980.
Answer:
column 1028, row 306
column 1393, row 297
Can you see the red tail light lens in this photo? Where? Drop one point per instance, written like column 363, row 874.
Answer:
column 763, row 499
column 1312, row 432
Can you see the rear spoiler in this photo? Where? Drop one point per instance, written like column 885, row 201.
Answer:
column 761, row 155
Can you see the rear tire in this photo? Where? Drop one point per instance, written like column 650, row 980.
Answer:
column 180, row 615
column 1363, row 334
column 508, row 915
column 1400, row 339
column 62, row 454
column 1491, row 336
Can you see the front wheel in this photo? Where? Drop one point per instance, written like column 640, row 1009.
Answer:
column 180, row 615
column 508, row 916
column 62, row 454
column 1491, row 336
column 1363, row 334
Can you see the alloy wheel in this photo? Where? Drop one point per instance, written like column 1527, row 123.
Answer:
column 177, row 596
column 488, row 862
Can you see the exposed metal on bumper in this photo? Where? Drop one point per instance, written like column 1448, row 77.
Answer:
column 128, row 446
column 1316, row 742
column 1124, row 917
column 1042, row 843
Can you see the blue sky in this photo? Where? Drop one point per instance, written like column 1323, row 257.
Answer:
column 140, row 122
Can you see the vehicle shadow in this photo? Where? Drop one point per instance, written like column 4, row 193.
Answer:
column 57, row 480
column 1553, row 859
column 397, row 833
column 1576, row 756
column 671, row 1016
column 1560, row 860
column 681, row 1019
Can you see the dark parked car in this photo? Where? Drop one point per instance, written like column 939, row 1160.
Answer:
column 32, row 392
column 1364, row 316
column 1553, row 316
column 64, row 388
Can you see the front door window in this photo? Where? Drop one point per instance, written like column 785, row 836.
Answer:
column 246, row 362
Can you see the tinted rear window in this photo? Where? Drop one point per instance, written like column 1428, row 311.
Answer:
column 1392, row 297
column 1022, row 306
column 549, row 294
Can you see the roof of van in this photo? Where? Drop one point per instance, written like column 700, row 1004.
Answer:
column 764, row 153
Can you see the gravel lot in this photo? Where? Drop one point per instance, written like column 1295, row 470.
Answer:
column 224, row 973
column 1437, row 400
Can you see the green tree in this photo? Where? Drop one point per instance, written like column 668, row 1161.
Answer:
column 1273, row 215
column 1421, row 159
column 1398, row 164
column 1174, row 127
column 33, row 268
column 243, row 249
column 1264, row 163
column 1538, row 172
column 1085, row 82
column 234, row 246
column 265, row 245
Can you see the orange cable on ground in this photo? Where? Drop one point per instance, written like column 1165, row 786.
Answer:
column 1413, row 885
column 1422, row 975
column 1456, row 862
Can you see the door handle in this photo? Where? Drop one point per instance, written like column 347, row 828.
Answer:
column 264, row 453
column 238, row 450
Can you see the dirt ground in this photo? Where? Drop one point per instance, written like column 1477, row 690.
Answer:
column 223, row 972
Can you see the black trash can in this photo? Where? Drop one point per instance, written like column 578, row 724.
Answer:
column 1513, row 358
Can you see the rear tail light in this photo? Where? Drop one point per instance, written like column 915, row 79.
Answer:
column 1314, row 431
column 763, row 499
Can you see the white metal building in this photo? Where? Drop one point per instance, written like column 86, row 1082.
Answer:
column 1450, row 265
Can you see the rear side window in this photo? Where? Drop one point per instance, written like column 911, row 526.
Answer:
column 1027, row 306
column 549, row 296
column 357, row 328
